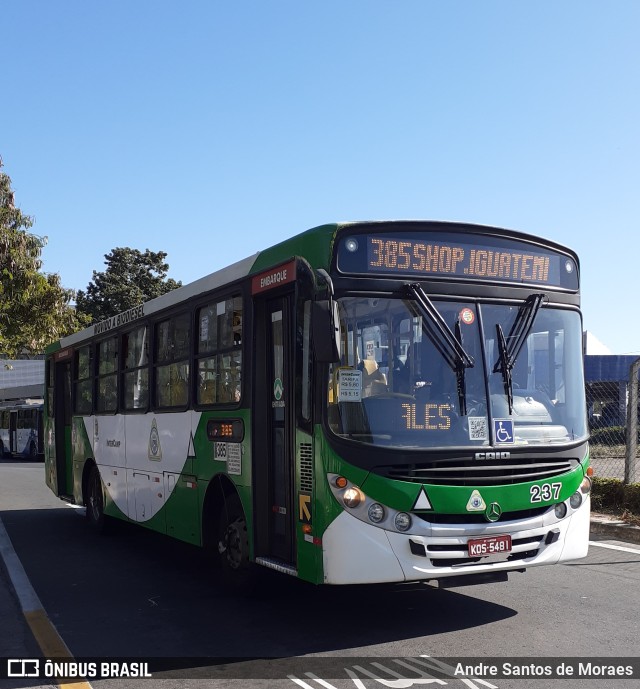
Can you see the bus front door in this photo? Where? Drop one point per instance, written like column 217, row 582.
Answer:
column 274, row 429
column 62, row 407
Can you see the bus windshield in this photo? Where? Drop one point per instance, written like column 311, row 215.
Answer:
column 417, row 373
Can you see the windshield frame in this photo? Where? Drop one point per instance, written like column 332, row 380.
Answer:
column 485, row 361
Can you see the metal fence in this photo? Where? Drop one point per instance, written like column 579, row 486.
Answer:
column 613, row 423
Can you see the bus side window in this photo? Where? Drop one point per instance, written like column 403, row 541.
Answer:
column 135, row 360
column 172, row 348
column 107, row 400
column 219, row 352
column 83, row 380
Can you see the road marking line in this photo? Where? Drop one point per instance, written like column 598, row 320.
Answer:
column 46, row 635
column 51, row 645
column 615, row 547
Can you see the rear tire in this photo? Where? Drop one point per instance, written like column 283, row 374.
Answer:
column 95, row 502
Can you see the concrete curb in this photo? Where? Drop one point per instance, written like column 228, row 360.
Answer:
column 34, row 616
column 614, row 529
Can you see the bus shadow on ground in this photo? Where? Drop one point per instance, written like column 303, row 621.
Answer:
column 136, row 593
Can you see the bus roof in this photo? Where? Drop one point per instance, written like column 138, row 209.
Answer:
column 315, row 245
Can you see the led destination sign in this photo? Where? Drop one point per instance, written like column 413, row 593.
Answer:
column 495, row 259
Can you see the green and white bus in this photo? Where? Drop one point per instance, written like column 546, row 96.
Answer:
column 364, row 402
column 21, row 429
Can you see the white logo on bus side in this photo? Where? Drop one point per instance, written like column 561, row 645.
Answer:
column 155, row 449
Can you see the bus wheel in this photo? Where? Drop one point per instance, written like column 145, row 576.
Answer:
column 95, row 501
column 233, row 546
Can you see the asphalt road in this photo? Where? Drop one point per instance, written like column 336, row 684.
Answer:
column 136, row 594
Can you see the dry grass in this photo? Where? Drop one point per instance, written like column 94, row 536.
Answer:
column 630, row 518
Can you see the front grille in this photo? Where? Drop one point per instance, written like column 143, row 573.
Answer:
column 453, row 562
column 478, row 517
column 435, row 548
column 471, row 472
column 457, row 555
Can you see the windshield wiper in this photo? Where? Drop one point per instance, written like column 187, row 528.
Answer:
column 505, row 366
column 460, row 369
column 509, row 348
column 448, row 344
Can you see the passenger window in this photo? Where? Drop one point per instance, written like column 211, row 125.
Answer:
column 172, row 362
column 135, row 356
column 219, row 352
column 107, row 376
column 83, row 381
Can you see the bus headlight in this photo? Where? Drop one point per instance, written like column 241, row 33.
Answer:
column 376, row 512
column 352, row 497
column 576, row 500
column 561, row 510
column 402, row 521
column 578, row 497
column 371, row 511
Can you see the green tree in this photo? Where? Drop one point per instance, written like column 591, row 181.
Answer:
column 35, row 309
column 131, row 278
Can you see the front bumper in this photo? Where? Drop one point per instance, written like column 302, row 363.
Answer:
column 355, row 552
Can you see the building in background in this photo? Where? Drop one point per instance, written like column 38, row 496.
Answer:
column 607, row 378
column 21, row 378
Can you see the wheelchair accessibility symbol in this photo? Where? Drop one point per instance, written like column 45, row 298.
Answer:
column 503, row 431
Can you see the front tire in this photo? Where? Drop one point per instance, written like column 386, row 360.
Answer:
column 233, row 547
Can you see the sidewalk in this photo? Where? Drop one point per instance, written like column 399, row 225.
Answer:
column 16, row 640
column 612, row 528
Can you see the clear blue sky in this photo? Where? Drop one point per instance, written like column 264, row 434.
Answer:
column 210, row 129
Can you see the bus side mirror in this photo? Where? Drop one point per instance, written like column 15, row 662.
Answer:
column 326, row 331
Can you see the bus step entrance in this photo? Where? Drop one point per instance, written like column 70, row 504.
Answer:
column 277, row 565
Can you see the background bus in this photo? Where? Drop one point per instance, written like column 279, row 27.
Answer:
column 367, row 402
column 22, row 429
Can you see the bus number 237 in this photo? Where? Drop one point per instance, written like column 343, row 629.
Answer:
column 545, row 492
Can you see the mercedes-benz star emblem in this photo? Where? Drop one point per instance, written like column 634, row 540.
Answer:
column 493, row 513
